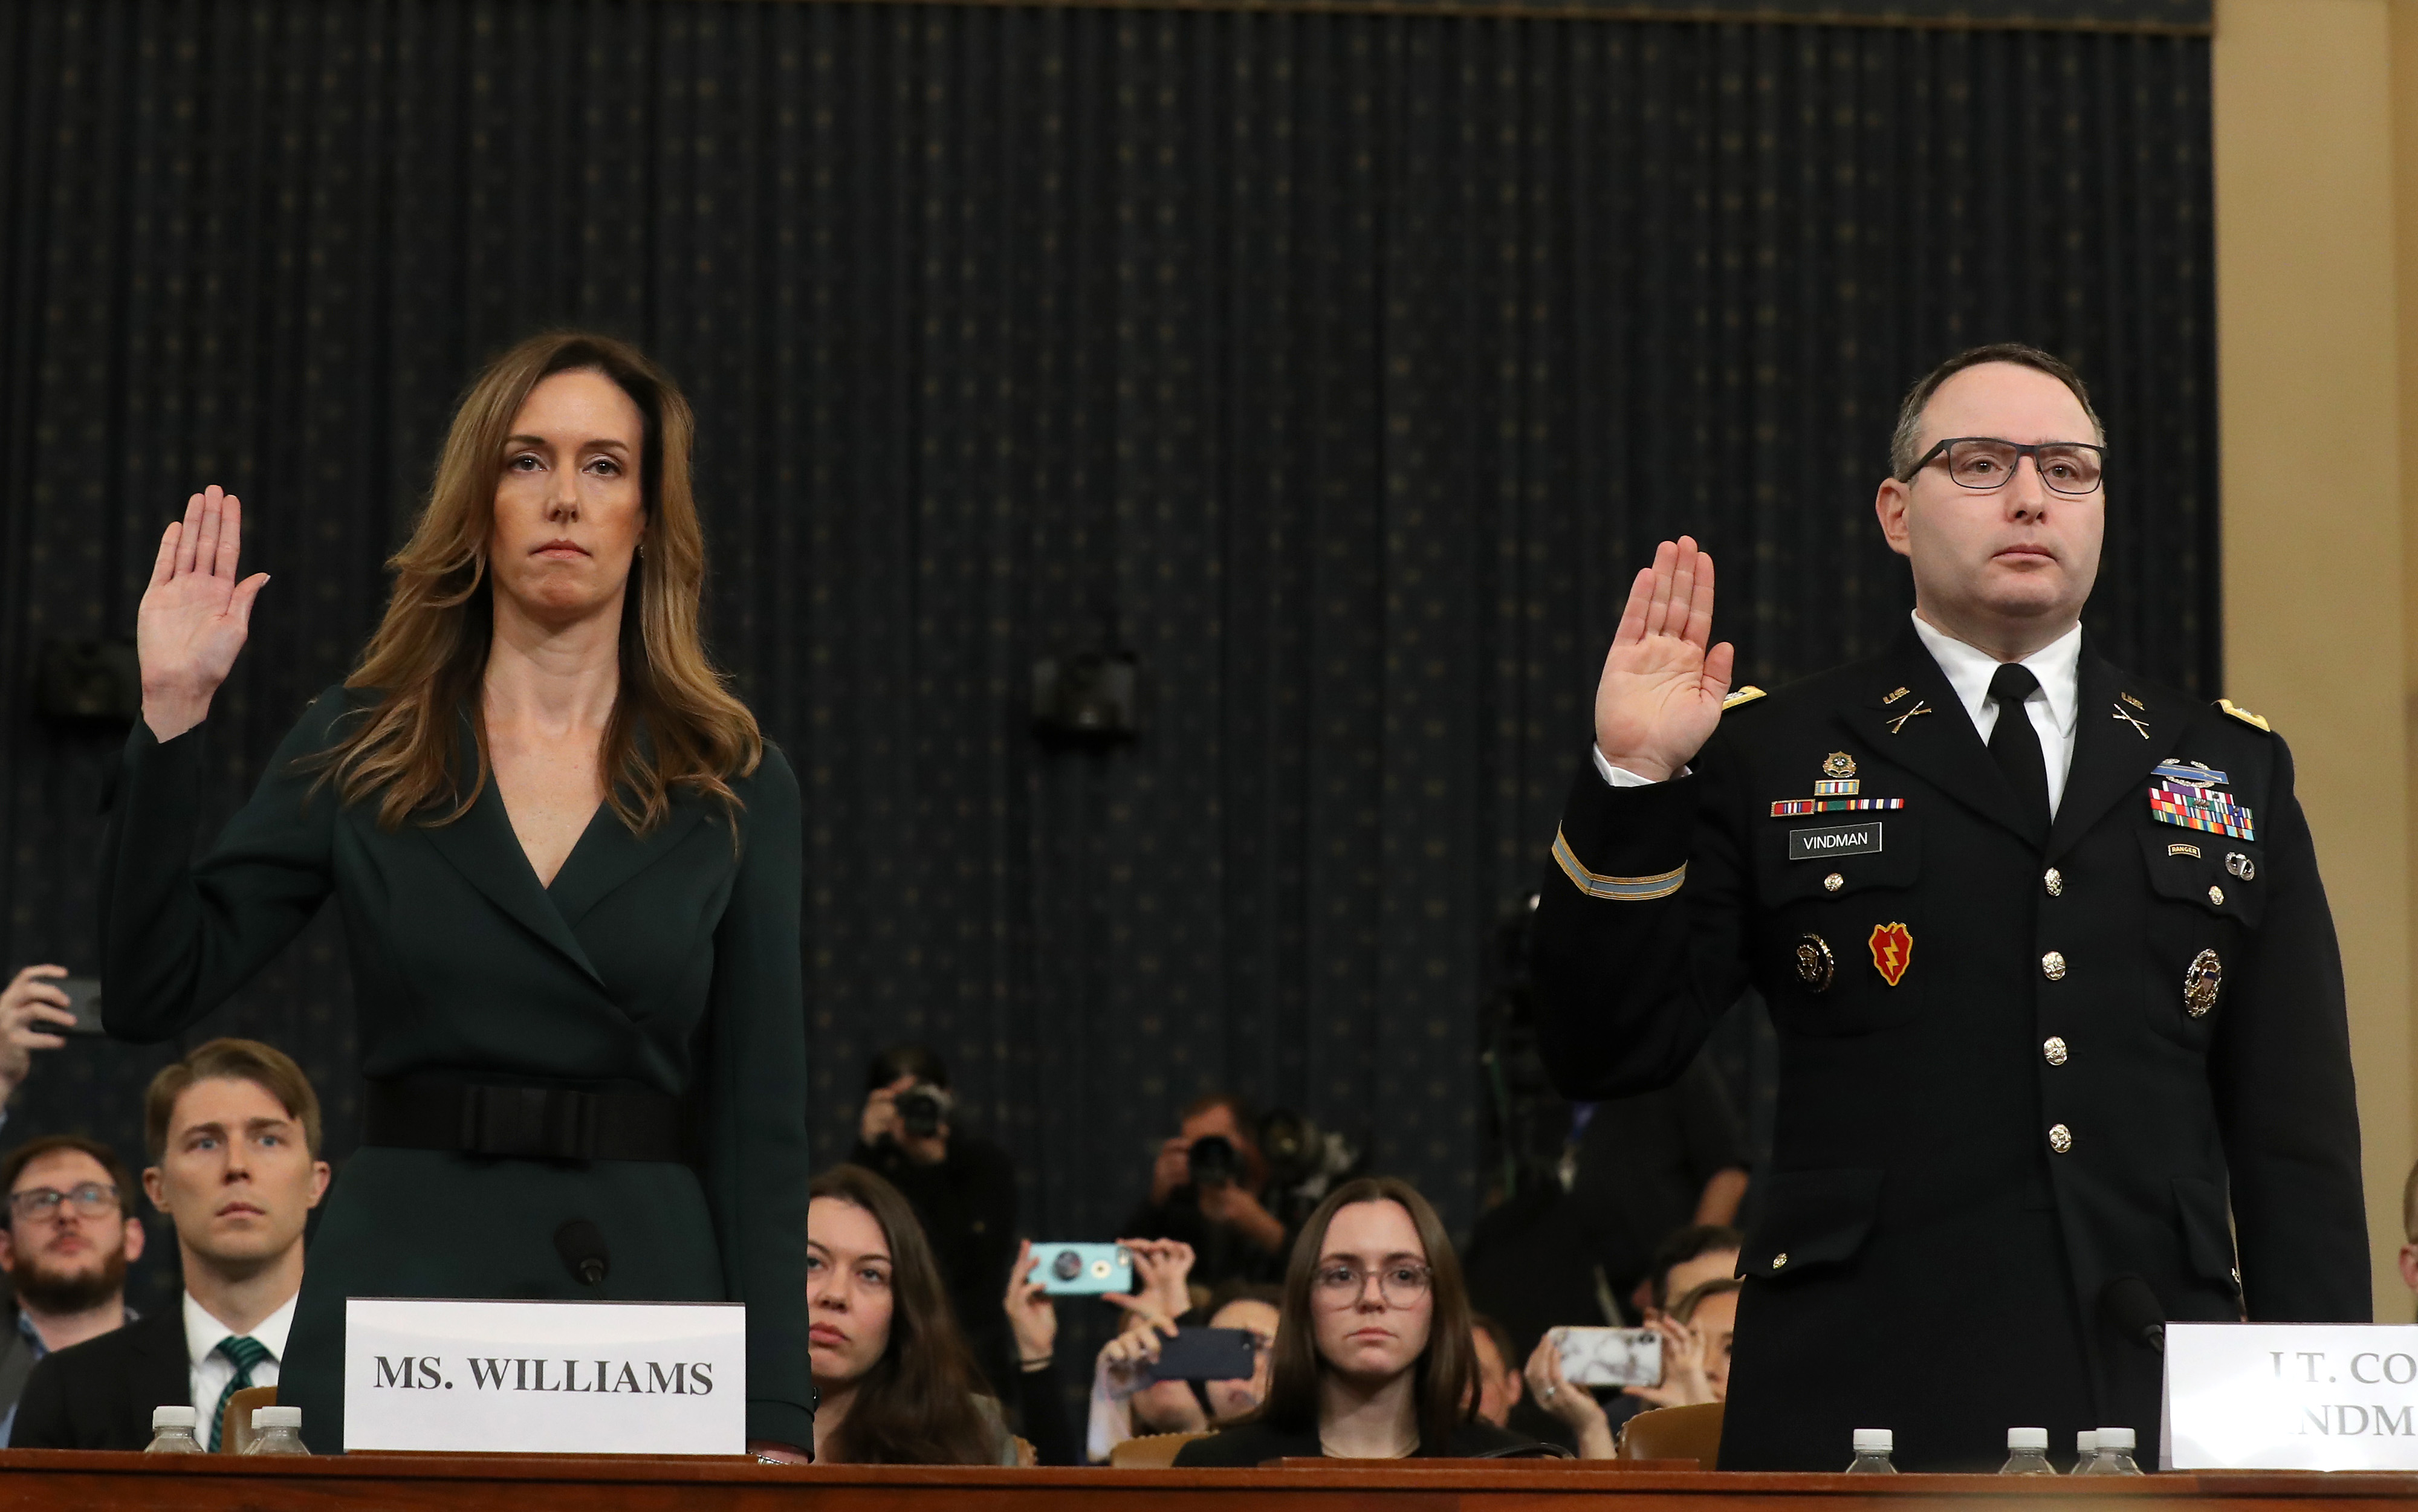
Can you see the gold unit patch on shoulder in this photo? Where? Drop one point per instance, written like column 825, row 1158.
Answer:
column 2246, row 715
column 1741, row 695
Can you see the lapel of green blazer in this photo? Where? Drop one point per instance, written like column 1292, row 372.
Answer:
column 482, row 847
column 609, row 855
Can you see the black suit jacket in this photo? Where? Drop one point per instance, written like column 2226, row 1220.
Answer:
column 1965, row 1160
column 99, row 1394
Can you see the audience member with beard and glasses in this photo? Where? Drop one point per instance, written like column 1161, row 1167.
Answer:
column 69, row 1236
column 961, row 1185
column 1207, row 1189
column 234, row 1134
column 895, row 1383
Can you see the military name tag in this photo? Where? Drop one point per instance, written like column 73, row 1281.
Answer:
column 1835, row 840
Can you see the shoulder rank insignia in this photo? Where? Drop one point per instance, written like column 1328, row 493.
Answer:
column 1741, row 695
column 2246, row 715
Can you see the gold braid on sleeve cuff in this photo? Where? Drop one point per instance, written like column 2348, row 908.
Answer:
column 1620, row 888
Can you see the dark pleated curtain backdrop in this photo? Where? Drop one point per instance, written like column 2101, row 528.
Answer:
column 1343, row 367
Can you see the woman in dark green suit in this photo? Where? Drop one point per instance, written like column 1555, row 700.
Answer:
column 568, row 871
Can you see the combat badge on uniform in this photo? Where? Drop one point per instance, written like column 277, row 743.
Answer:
column 1892, row 946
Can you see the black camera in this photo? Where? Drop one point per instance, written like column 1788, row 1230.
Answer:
column 922, row 1110
column 1214, row 1160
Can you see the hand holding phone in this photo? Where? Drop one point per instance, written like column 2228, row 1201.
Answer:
column 1070, row 1269
column 1610, row 1356
column 40, row 1003
column 1206, row 1354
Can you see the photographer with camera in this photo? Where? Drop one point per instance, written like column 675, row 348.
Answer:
column 962, row 1186
column 1207, row 1189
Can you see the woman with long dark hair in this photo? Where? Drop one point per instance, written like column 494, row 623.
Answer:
column 1372, row 1357
column 567, row 866
column 897, row 1384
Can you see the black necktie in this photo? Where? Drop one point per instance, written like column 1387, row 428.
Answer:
column 2014, row 742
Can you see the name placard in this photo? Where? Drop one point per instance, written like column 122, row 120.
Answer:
column 658, row 1378
column 2290, row 1397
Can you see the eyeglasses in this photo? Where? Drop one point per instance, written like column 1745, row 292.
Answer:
column 1401, row 1283
column 1985, row 462
column 91, row 1201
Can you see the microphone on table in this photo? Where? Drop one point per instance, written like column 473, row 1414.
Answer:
column 581, row 1245
column 2134, row 1312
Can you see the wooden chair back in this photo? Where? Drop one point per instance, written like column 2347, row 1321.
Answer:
column 1151, row 1451
column 1692, row 1432
column 234, row 1423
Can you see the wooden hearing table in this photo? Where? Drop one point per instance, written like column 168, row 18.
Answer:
column 52, row 1478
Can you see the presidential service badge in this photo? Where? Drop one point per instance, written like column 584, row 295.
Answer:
column 1892, row 947
column 1814, row 964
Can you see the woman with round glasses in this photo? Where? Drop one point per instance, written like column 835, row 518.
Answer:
column 1372, row 1359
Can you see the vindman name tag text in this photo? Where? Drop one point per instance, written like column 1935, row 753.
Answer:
column 2292, row 1396
column 546, row 1377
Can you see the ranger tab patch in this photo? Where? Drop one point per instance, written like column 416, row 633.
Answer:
column 2197, row 808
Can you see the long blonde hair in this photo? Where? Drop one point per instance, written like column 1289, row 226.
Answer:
column 429, row 655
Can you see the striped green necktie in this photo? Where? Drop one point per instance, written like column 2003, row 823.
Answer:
column 246, row 1352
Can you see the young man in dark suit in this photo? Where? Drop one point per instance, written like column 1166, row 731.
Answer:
column 234, row 1134
column 2063, row 1048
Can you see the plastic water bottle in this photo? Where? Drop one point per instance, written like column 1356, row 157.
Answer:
column 2114, row 1455
column 1872, row 1447
column 278, row 1430
column 2028, row 1453
column 171, row 1431
column 2085, row 1445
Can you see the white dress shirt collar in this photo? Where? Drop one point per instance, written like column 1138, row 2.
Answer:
column 2054, row 708
column 203, row 1332
column 1970, row 669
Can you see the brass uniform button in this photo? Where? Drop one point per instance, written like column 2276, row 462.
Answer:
column 2055, row 882
column 2216, row 895
column 1780, row 1260
column 2060, row 1139
column 2053, row 965
column 1834, row 882
column 2054, row 1048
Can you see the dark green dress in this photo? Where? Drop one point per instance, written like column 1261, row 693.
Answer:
column 667, row 963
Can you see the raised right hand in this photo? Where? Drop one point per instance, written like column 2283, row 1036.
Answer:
column 1661, row 690
column 196, row 615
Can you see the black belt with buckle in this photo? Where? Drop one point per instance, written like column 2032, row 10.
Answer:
column 521, row 1122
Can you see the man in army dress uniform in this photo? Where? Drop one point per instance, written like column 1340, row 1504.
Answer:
column 2060, row 1004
